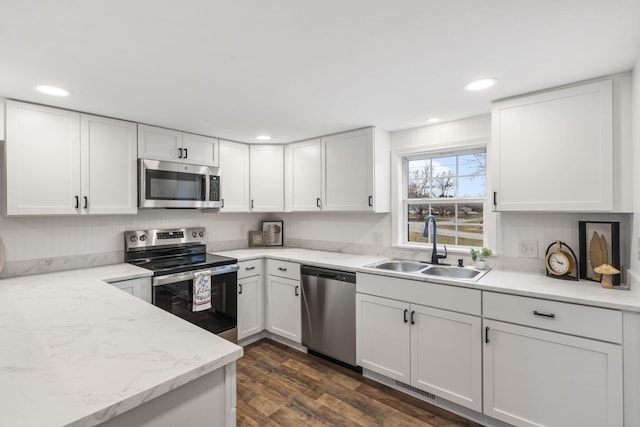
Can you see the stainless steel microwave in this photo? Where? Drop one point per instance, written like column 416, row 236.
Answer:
column 177, row 185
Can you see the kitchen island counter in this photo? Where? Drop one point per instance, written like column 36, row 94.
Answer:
column 78, row 351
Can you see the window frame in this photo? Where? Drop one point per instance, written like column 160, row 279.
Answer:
column 401, row 200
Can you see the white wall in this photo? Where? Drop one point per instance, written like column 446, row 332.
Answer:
column 635, row 235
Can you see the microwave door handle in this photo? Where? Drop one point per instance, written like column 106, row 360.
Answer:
column 207, row 189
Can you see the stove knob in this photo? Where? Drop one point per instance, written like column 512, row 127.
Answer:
column 143, row 237
column 201, row 234
column 194, row 234
column 133, row 239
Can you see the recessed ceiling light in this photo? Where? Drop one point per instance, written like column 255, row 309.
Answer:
column 433, row 120
column 480, row 84
column 263, row 137
column 52, row 90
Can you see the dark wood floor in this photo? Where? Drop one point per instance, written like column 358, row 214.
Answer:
column 280, row 386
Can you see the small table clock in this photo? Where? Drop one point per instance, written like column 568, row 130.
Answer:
column 561, row 261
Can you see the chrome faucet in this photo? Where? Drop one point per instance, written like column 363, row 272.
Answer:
column 434, row 252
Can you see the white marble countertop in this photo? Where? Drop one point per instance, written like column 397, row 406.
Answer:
column 76, row 351
column 512, row 282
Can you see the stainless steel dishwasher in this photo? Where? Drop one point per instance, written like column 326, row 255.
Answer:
column 329, row 313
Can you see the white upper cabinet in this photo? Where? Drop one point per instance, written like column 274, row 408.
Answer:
column 109, row 171
column 356, row 171
column 267, row 178
column 554, row 151
column 174, row 146
column 303, row 176
column 234, row 176
column 42, row 142
column 200, row 150
column 88, row 163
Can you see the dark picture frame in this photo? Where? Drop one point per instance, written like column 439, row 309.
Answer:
column 273, row 233
column 592, row 244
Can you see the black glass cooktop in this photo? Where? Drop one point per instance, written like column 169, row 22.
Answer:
column 169, row 261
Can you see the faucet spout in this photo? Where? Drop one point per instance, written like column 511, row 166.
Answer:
column 435, row 257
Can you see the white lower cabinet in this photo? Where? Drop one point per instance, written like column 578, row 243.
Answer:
column 536, row 377
column 284, row 308
column 250, row 300
column 434, row 350
column 140, row 288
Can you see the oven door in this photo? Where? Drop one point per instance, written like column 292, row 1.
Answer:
column 174, row 293
column 174, row 185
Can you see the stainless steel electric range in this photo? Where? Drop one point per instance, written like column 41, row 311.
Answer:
column 177, row 257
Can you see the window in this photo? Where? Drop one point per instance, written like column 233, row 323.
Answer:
column 452, row 187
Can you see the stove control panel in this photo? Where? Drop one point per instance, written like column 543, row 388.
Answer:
column 150, row 238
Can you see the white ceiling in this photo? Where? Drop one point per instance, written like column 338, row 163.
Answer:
column 296, row 69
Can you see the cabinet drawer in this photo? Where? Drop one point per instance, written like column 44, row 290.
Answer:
column 290, row 270
column 250, row 268
column 591, row 322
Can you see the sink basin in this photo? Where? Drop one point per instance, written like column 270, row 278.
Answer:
column 417, row 268
column 454, row 272
column 403, row 266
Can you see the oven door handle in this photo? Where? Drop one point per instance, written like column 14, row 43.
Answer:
column 190, row 275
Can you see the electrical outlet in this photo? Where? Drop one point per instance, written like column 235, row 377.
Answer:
column 528, row 249
column 242, row 230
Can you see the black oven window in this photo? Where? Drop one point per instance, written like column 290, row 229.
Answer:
column 177, row 298
column 165, row 185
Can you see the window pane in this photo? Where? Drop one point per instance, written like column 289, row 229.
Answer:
column 470, row 224
column 472, row 164
column 417, row 215
column 443, row 186
column 444, row 165
column 446, row 219
column 471, row 186
column 418, row 172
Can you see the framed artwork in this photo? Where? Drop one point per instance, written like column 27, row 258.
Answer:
column 599, row 244
column 256, row 239
column 273, row 231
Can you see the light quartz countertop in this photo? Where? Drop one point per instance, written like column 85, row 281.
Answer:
column 76, row 351
column 505, row 281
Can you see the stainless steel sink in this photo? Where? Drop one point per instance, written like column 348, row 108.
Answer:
column 454, row 272
column 416, row 268
column 403, row 266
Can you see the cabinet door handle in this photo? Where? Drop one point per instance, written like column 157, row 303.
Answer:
column 297, row 290
column 179, row 153
column 186, row 153
column 495, row 198
column 239, row 288
column 77, row 201
column 318, row 204
column 405, row 315
column 413, row 321
column 251, row 203
column 249, row 268
column 86, row 202
column 547, row 315
column 486, row 335
column 222, row 203
column 370, row 200
column 282, row 269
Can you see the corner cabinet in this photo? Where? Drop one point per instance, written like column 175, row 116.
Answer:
column 356, row 171
column 267, row 178
column 553, row 151
column 89, row 162
column 284, row 310
column 174, row 146
column 424, row 335
column 551, row 363
column 234, row 176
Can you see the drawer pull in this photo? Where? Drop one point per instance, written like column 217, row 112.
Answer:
column 405, row 315
column 296, row 290
column 282, row 269
column 239, row 288
column 249, row 268
column 547, row 315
